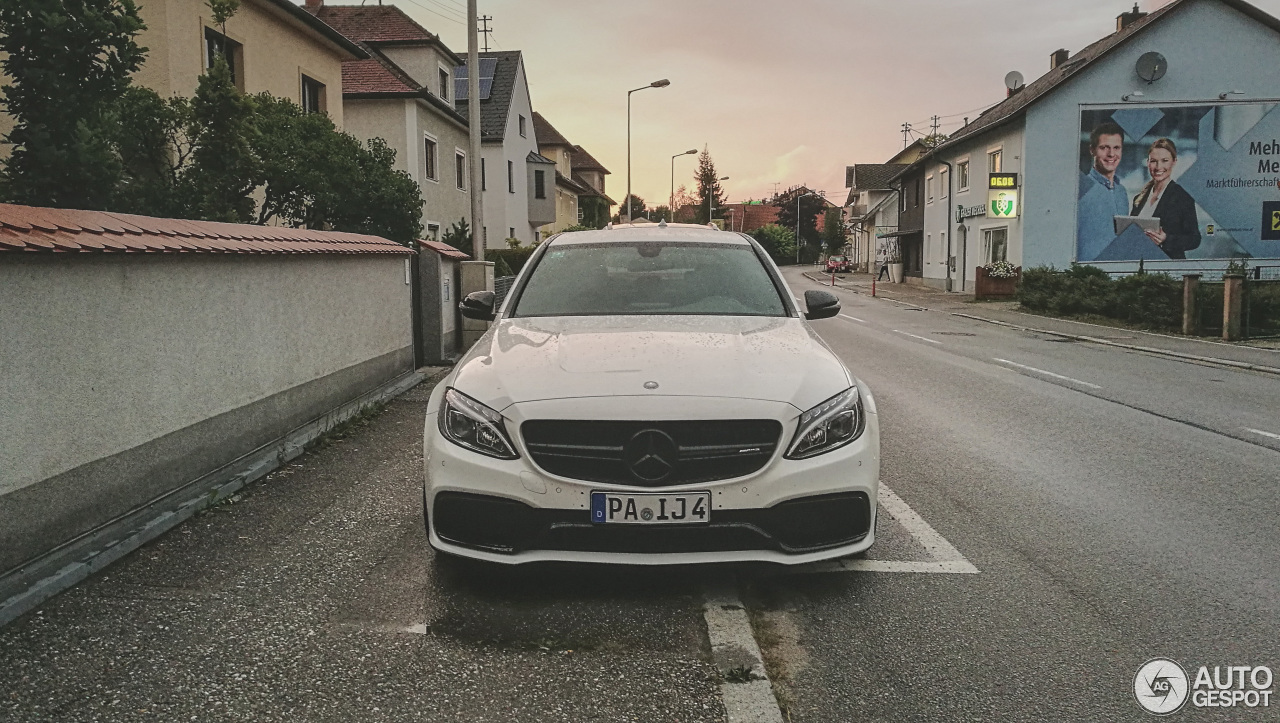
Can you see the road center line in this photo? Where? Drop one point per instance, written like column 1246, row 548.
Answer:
column 1048, row 374
column 914, row 336
column 1265, row 434
column 846, row 316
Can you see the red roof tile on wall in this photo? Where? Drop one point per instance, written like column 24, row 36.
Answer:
column 443, row 249
column 30, row 228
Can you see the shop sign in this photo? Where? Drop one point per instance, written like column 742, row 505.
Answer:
column 1002, row 204
column 963, row 212
column 1002, row 181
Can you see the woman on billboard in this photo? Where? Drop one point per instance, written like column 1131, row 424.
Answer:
column 1162, row 198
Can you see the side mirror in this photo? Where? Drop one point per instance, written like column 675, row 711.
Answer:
column 822, row 304
column 477, row 305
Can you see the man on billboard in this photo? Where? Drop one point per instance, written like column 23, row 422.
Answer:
column 1102, row 196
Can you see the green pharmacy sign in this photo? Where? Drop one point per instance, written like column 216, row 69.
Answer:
column 1002, row 204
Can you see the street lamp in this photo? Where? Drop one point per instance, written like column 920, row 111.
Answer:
column 711, row 199
column 671, row 204
column 810, row 193
column 655, row 84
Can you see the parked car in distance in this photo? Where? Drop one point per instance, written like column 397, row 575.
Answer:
column 839, row 265
column 650, row 395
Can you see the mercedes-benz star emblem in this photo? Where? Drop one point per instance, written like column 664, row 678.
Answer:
column 651, row 455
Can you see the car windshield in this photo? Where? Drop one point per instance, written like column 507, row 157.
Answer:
column 650, row 278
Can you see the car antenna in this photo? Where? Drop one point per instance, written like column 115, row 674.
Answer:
column 662, row 223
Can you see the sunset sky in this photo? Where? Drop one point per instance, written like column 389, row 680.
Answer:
column 780, row 92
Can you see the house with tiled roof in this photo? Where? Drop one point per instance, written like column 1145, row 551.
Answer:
column 594, row 210
column 515, row 205
column 871, row 209
column 403, row 93
column 572, row 190
column 272, row 46
column 1055, row 172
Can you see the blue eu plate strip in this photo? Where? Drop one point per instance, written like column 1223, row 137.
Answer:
column 597, row 507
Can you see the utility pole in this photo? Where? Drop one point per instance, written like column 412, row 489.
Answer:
column 935, row 120
column 906, row 134
column 486, row 30
column 473, row 127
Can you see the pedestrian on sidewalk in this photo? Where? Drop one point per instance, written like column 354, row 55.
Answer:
column 884, row 270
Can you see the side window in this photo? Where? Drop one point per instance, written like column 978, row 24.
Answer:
column 312, row 95
column 444, row 84
column 460, row 169
column 539, row 184
column 511, row 177
column 215, row 43
column 431, row 152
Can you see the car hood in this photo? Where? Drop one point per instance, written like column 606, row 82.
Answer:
column 769, row 358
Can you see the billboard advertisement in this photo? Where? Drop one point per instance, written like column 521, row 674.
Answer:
column 1179, row 182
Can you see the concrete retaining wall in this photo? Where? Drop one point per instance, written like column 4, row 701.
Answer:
column 129, row 377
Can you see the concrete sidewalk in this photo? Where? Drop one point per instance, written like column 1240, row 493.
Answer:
column 1239, row 355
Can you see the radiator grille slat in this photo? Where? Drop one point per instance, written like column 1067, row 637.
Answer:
column 703, row 451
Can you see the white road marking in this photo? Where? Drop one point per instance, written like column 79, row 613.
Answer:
column 921, row 338
column 846, row 316
column 1048, row 374
column 736, row 653
column 1265, row 434
column 946, row 558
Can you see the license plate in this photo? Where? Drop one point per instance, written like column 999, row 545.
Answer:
column 651, row 509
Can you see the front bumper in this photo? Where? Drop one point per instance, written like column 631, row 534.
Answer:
column 789, row 512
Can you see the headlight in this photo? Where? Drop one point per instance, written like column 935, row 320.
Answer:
column 470, row 424
column 830, row 425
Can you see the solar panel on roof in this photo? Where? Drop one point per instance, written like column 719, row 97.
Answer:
column 487, row 68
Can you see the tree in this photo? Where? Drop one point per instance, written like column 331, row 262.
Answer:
column 459, row 236
column 67, row 62
column 316, row 176
column 833, row 230
column 637, row 208
column 810, row 207
column 778, row 241
column 709, row 188
column 660, row 213
column 152, row 136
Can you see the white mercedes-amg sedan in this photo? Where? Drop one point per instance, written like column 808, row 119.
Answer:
column 651, row 395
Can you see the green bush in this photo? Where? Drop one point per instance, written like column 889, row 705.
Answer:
column 1153, row 300
column 1148, row 299
column 513, row 258
column 777, row 241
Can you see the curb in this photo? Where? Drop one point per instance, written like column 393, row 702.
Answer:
column 1132, row 347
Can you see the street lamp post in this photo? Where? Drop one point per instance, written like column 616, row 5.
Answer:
column 810, row 193
column 655, row 84
column 711, row 199
column 671, row 203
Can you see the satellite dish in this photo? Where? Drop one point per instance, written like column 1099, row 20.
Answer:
column 1152, row 66
column 1013, row 80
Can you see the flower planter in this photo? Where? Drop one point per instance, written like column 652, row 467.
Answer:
column 987, row 287
column 895, row 273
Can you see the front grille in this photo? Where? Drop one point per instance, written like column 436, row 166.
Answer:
column 651, row 454
column 500, row 525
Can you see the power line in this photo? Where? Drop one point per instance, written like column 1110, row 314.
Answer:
column 433, row 12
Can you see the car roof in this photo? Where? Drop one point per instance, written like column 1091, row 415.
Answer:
column 652, row 232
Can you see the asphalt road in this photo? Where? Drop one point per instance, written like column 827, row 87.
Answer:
column 1126, row 518
column 1108, row 507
